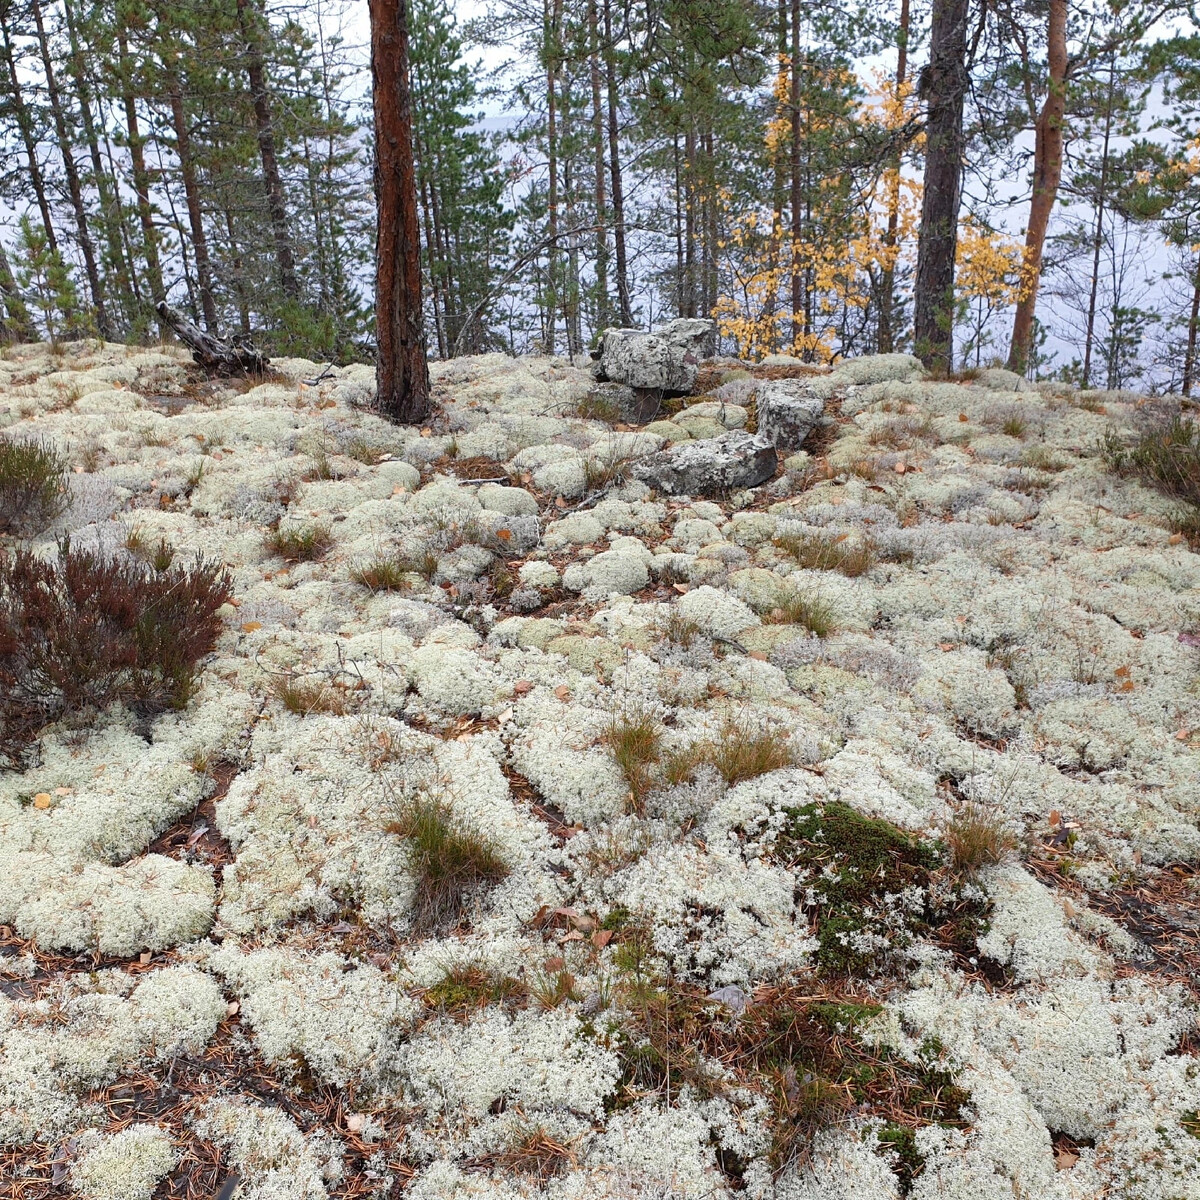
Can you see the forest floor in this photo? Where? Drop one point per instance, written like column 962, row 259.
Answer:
column 529, row 833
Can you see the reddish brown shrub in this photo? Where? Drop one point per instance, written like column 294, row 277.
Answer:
column 81, row 631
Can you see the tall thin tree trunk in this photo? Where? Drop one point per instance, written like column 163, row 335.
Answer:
column 712, row 221
column 887, row 285
column 141, row 177
column 1189, row 358
column 401, row 369
column 239, row 283
column 191, row 192
column 25, row 124
column 1047, row 174
column 945, row 87
column 74, row 188
column 614, row 160
column 552, row 16
column 1098, row 234
column 601, row 198
column 797, row 197
column 256, row 73
column 680, row 266
column 689, row 223
column 109, row 210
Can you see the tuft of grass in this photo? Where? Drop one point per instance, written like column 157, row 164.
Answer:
column 737, row 752
column 312, row 696
column 817, row 552
column 33, row 485
column 363, row 452
column 450, row 864
column 977, row 837
column 812, row 613
column 635, row 740
column 467, row 987
column 601, row 472
column 299, row 543
column 384, row 575
column 1013, row 425
column 552, row 988
column 1165, row 457
column 679, row 629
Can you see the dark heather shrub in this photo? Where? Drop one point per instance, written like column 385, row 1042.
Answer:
column 80, row 631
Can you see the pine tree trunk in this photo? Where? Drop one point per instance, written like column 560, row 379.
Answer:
column 1098, row 235
column 109, row 210
column 603, row 316
column 141, row 177
column 191, row 192
column 550, row 45
column 74, row 189
column 256, row 73
column 945, row 82
column 25, row 124
column 401, row 369
column 680, row 280
column 1047, row 174
column 1189, row 358
column 887, row 285
column 614, row 160
column 797, row 197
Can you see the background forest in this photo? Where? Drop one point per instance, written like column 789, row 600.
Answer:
column 756, row 162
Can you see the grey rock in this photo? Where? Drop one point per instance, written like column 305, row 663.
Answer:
column 787, row 412
column 713, row 466
column 731, row 996
column 666, row 360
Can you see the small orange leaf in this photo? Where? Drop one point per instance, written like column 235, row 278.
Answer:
column 563, row 692
column 1122, row 672
column 1183, row 735
column 900, row 468
column 963, row 417
column 1175, row 539
column 758, row 656
column 601, row 938
column 1055, row 817
column 943, row 646
column 521, row 687
column 504, row 534
column 251, row 626
column 42, row 800
column 681, row 588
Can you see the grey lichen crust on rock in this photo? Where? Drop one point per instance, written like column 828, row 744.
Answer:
column 788, row 412
column 710, row 466
column 666, row 360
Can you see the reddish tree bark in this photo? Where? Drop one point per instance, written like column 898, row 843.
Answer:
column 401, row 369
column 1047, row 174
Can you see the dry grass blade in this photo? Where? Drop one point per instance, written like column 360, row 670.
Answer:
column 810, row 612
column 977, row 837
column 816, row 552
column 449, row 863
column 635, row 740
column 299, row 543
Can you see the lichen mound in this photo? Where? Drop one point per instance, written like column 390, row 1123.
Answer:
column 795, row 797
